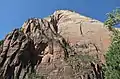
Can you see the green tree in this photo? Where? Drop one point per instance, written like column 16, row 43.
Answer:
column 113, row 19
column 112, row 67
column 1, row 42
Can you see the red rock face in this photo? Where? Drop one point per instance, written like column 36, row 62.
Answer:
column 64, row 46
column 76, row 28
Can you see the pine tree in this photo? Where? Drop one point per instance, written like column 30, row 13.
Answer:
column 112, row 67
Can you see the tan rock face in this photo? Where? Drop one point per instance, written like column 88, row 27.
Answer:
column 65, row 45
column 70, row 23
column 76, row 28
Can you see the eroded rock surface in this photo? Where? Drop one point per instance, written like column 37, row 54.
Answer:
column 65, row 45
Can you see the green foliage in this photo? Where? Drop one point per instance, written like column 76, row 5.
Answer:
column 1, row 42
column 113, row 19
column 80, row 63
column 112, row 67
column 21, row 29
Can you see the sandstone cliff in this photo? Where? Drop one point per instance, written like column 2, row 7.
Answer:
column 65, row 45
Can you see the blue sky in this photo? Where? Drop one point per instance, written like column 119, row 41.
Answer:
column 13, row 13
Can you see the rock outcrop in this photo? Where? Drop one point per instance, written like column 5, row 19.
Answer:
column 65, row 45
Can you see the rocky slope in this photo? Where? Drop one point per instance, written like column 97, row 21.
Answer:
column 65, row 45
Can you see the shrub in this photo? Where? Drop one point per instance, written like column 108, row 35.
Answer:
column 1, row 42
